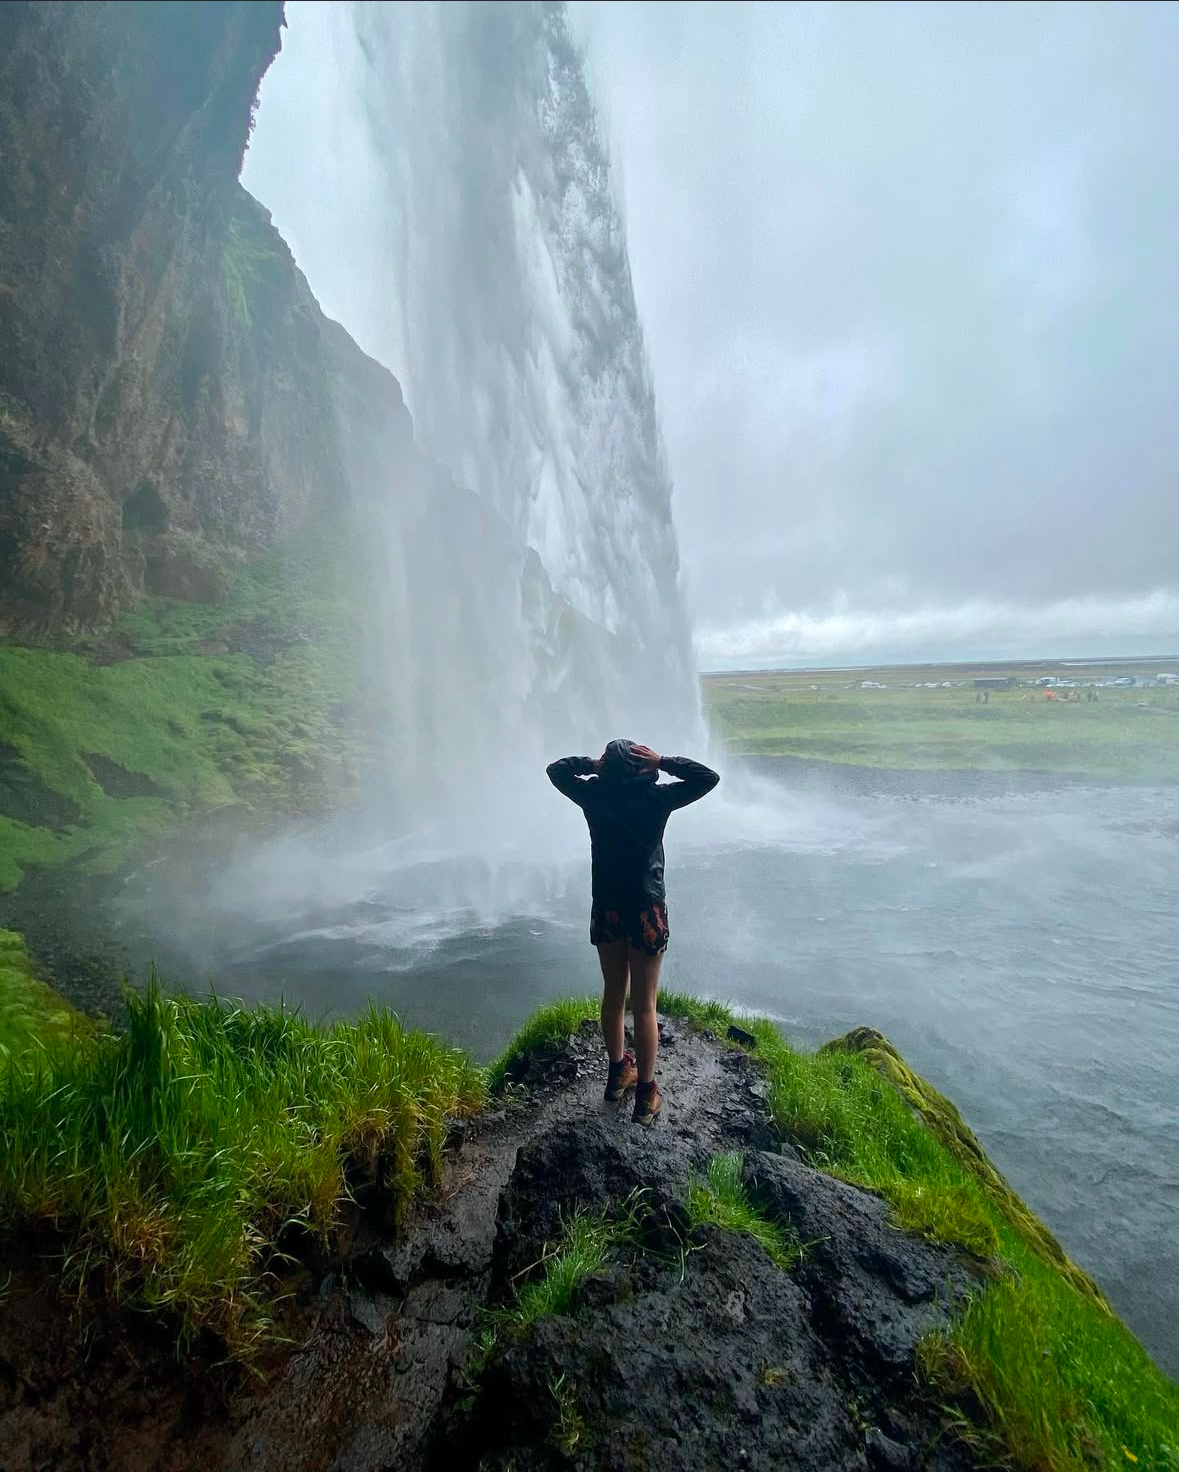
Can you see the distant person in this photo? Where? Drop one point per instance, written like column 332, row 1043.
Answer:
column 627, row 808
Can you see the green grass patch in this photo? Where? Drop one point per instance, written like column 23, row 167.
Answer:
column 851, row 1122
column 701, row 1012
column 1126, row 734
column 941, row 1119
column 178, row 1156
column 582, row 1249
column 720, row 1198
column 31, row 1012
column 253, row 701
column 1062, row 1385
column 1055, row 1381
column 543, row 1032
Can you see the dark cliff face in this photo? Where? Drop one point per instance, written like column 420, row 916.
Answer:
column 165, row 400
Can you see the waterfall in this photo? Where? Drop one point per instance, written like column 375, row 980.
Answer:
column 525, row 550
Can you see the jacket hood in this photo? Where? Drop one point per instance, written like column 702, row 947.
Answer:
column 621, row 765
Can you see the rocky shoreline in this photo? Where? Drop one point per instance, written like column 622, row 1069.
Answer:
column 688, row 1347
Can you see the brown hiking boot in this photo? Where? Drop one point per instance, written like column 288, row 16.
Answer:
column 623, row 1075
column 648, row 1103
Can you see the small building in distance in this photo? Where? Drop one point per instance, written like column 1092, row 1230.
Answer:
column 996, row 682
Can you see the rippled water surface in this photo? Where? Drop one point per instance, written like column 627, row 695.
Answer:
column 1022, row 950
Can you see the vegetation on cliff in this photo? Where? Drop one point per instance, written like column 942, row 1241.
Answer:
column 30, row 1012
column 180, row 1157
column 183, row 707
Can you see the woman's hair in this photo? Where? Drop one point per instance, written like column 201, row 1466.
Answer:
column 620, row 764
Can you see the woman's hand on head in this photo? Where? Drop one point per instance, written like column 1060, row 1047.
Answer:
column 645, row 754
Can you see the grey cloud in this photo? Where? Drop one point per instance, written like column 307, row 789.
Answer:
column 910, row 281
column 909, row 277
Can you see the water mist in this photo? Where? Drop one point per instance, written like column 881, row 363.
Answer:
column 524, row 557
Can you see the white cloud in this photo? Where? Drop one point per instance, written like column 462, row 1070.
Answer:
column 976, row 629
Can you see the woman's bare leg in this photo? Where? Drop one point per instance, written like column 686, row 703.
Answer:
column 644, row 987
column 615, row 964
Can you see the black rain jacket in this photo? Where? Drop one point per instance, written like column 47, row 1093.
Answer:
column 626, row 818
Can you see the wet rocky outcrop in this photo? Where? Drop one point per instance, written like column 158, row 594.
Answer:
column 690, row 1348
column 693, row 1349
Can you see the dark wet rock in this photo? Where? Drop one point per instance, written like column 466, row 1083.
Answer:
column 884, row 1454
column 370, row 1310
column 744, row 1363
column 740, row 1035
column 26, row 799
column 117, row 781
column 876, row 1289
column 679, row 1370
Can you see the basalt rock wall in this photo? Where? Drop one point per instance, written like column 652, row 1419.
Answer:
column 166, row 395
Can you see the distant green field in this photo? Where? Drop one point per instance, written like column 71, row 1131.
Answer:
column 1125, row 733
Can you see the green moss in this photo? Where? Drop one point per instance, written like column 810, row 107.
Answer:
column 30, row 1011
column 209, row 727
column 175, row 1156
column 254, row 261
column 944, row 1122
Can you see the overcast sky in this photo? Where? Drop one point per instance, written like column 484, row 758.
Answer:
column 909, row 276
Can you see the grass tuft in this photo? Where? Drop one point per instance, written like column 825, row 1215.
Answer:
column 581, row 1251
column 720, row 1198
column 852, row 1123
column 546, row 1029
column 569, row 1428
column 1063, row 1386
column 179, row 1154
column 702, row 1012
column 30, row 1011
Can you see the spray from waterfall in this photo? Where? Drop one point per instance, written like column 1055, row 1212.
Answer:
column 523, row 549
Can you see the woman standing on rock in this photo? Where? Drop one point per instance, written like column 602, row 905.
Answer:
column 627, row 808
